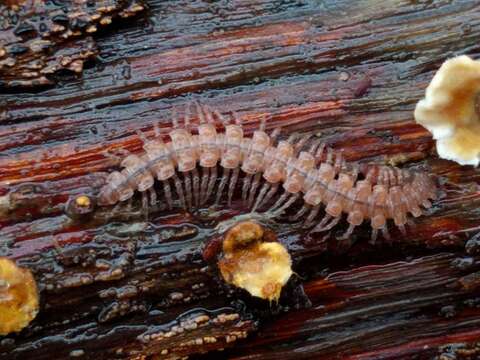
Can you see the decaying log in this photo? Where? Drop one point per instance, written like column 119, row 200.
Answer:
column 40, row 38
column 350, row 72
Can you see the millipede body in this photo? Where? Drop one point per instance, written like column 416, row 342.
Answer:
column 270, row 174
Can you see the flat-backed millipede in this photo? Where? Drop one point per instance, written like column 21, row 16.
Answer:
column 272, row 175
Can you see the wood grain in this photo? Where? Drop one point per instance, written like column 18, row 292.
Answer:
column 348, row 71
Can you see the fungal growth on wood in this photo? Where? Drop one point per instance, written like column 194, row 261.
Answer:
column 451, row 110
column 254, row 262
column 18, row 297
column 265, row 176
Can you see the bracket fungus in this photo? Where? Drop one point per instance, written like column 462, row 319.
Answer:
column 18, row 297
column 451, row 110
column 254, row 261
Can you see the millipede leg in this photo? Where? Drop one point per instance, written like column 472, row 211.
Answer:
column 329, row 158
column 153, row 196
column 300, row 213
column 370, row 175
column 285, row 206
column 392, row 179
column 270, row 194
column 426, row 204
column 199, row 111
column 168, row 193
column 196, row 187
column 301, row 143
column 331, row 224
column 411, row 224
column 129, row 206
column 246, row 185
column 279, row 202
column 386, row 233
column 311, row 216
column 400, row 176
column 319, row 154
column 338, row 162
column 253, row 189
column 321, row 224
column 223, row 183
column 233, row 183
column 347, row 233
column 334, row 222
column 145, row 204
column 188, row 188
column 274, row 134
column 314, row 146
column 142, row 136
column 179, row 189
column 381, row 178
column 117, row 208
column 261, row 195
column 211, row 183
column 355, row 172
column 203, row 185
column 374, row 236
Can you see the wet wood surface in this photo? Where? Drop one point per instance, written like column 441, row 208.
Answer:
column 348, row 71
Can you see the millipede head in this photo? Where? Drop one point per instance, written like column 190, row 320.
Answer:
column 80, row 206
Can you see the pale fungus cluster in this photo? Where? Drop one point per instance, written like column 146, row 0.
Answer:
column 451, row 110
column 18, row 297
column 254, row 263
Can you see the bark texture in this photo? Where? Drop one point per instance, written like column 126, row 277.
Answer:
column 351, row 71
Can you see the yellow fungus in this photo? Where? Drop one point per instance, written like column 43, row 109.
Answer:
column 260, row 267
column 18, row 297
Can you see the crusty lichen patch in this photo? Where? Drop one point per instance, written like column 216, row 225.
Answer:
column 253, row 263
column 18, row 297
column 451, row 110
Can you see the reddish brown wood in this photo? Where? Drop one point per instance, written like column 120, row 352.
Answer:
column 39, row 39
column 351, row 71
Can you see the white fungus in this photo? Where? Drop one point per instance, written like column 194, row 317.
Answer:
column 451, row 110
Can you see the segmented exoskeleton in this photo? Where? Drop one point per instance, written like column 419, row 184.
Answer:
column 271, row 175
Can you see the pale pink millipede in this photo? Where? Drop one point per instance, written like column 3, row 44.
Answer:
column 272, row 176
